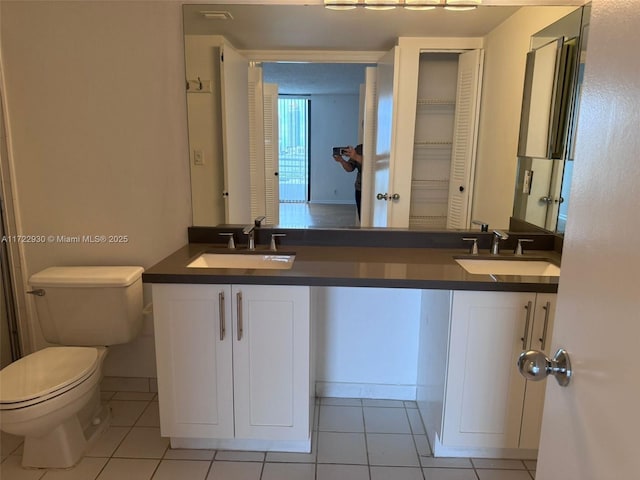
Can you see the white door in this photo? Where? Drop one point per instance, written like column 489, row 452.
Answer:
column 256, row 141
column 590, row 428
column 271, row 362
column 271, row 154
column 465, row 135
column 368, row 147
column 381, row 158
column 234, row 70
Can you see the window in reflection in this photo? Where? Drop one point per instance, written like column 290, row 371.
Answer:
column 293, row 140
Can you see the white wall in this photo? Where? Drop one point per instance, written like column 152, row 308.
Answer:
column 367, row 340
column 334, row 123
column 505, row 55
column 205, row 129
column 96, row 110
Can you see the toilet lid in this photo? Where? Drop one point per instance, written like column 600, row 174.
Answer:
column 45, row 371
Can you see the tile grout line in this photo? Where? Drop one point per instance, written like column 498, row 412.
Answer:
column 413, row 437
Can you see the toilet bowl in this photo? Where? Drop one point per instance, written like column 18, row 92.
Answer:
column 52, row 398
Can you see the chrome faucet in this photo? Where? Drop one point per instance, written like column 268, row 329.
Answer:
column 249, row 230
column 495, row 243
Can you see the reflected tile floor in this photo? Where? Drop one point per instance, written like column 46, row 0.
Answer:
column 353, row 439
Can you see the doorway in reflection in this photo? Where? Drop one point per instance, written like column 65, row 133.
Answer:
column 319, row 107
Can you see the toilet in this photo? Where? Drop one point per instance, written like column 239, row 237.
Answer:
column 52, row 396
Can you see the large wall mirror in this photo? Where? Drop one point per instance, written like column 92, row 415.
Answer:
column 553, row 79
column 311, row 66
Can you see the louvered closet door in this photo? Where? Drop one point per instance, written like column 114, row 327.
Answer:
column 464, row 139
column 256, row 141
column 271, row 158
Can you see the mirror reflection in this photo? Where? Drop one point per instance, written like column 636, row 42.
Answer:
column 315, row 82
column 553, row 77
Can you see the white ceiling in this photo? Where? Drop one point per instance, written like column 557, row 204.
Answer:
column 313, row 27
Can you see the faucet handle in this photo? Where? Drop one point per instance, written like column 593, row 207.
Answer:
column 474, row 247
column 484, row 226
column 258, row 221
column 519, row 250
column 231, row 244
column 273, row 240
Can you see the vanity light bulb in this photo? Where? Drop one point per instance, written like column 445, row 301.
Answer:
column 340, row 4
column 421, row 4
column 381, row 4
column 461, row 5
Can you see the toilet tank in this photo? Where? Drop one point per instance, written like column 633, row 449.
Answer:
column 89, row 306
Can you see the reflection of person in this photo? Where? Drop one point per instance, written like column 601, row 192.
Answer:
column 354, row 163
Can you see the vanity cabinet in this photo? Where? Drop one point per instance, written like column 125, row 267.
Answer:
column 489, row 407
column 234, row 366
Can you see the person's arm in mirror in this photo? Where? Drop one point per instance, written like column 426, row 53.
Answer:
column 348, row 167
column 353, row 154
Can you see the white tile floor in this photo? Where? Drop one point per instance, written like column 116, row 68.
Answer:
column 353, row 440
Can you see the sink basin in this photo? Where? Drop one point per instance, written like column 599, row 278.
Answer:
column 488, row 266
column 272, row 261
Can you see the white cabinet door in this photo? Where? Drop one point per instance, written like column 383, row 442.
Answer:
column 485, row 392
column 234, row 362
column 193, row 354
column 488, row 404
column 271, row 362
column 534, row 391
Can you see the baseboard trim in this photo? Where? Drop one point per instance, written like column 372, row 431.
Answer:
column 365, row 390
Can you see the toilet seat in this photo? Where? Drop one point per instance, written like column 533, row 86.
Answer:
column 45, row 374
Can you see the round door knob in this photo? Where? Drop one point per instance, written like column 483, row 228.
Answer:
column 461, row 188
column 395, row 196
column 547, row 200
column 381, row 196
column 535, row 365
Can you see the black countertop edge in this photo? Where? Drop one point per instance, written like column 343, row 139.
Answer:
column 371, row 237
column 496, row 286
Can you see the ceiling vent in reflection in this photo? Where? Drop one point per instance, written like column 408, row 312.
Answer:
column 216, row 15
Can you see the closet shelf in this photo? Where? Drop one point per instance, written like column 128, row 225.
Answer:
column 436, row 101
column 430, row 184
column 438, row 144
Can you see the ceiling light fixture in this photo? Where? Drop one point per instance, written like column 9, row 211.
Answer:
column 421, row 4
column 462, row 5
column 406, row 4
column 381, row 4
column 340, row 4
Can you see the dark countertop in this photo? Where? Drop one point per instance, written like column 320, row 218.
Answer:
column 419, row 268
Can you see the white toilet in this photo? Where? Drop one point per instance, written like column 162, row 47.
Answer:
column 52, row 396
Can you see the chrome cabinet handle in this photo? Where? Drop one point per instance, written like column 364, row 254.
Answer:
column 526, row 324
column 395, row 196
column 543, row 339
column 239, row 312
column 38, row 292
column 535, row 365
column 221, row 312
column 381, row 196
